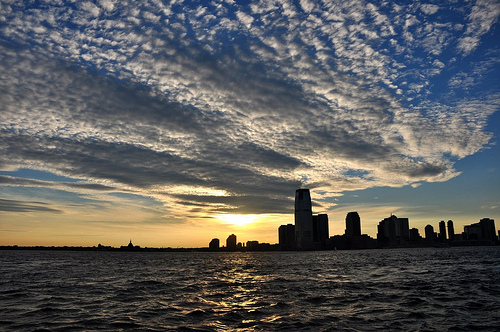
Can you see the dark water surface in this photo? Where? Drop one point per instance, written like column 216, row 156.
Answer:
column 453, row 289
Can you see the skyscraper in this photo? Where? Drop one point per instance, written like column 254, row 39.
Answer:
column 442, row 231
column 231, row 242
column 451, row 230
column 303, row 220
column 352, row 224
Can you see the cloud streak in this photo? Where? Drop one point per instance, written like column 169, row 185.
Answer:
column 8, row 205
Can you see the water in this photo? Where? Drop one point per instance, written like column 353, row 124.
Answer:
column 454, row 289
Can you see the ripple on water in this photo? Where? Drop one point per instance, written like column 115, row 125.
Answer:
column 410, row 290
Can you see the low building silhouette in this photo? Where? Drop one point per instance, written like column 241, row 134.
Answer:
column 483, row 230
column 352, row 238
column 130, row 247
column 415, row 237
column 320, row 230
column 430, row 235
column 214, row 244
column 286, row 237
column 252, row 245
column 488, row 229
column 257, row 246
column 393, row 232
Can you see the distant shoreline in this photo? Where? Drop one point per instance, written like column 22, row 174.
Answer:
column 477, row 243
column 81, row 248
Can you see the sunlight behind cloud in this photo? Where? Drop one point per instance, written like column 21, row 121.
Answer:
column 240, row 220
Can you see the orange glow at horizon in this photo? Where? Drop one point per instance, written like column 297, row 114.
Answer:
column 240, row 220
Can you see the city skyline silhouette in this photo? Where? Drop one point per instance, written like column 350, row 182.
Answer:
column 311, row 232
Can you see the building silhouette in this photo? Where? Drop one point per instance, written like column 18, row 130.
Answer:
column 320, row 230
column 386, row 231
column 303, row 220
column 286, row 237
column 231, row 242
column 451, row 230
column 483, row 230
column 352, row 237
column 130, row 247
column 214, row 244
column 252, row 245
column 404, row 228
column 430, row 236
column 415, row 235
column 352, row 224
column 310, row 232
column 442, row 231
column 393, row 232
column 488, row 229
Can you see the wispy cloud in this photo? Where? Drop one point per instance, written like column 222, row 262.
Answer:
column 9, row 205
column 483, row 16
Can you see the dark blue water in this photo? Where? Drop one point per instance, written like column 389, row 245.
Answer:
column 453, row 289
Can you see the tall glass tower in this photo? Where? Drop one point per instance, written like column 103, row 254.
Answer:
column 303, row 220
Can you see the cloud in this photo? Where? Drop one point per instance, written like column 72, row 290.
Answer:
column 167, row 101
column 8, row 205
column 429, row 9
column 78, row 186
column 483, row 16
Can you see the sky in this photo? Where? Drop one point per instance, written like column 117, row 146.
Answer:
column 172, row 123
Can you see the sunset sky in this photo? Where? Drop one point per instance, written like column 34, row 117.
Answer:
column 171, row 123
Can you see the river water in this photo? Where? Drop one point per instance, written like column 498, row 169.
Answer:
column 429, row 289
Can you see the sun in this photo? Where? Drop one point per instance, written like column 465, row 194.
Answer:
column 239, row 219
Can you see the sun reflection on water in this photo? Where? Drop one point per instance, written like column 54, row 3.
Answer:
column 242, row 300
